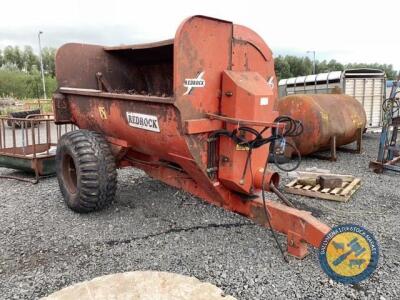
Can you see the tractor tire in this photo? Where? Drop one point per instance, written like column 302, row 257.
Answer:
column 22, row 115
column 86, row 171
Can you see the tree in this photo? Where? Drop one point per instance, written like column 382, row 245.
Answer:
column 293, row 66
column 34, row 83
column 19, row 73
column 29, row 59
column 299, row 66
column 15, row 59
column 333, row 65
column 8, row 55
column 321, row 67
column 18, row 58
column 282, row 68
column 13, row 56
column 48, row 55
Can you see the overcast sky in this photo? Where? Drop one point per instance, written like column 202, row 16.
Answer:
column 348, row 31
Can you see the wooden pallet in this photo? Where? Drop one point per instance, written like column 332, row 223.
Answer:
column 350, row 185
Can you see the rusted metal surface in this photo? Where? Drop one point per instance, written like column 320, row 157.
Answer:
column 324, row 116
column 130, row 97
column 158, row 44
column 165, row 100
column 140, row 71
column 239, row 121
column 30, row 147
column 242, row 96
column 203, row 125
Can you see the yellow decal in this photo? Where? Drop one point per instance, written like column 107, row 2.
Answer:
column 102, row 112
column 242, row 148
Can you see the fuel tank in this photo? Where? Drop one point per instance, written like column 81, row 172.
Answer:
column 324, row 116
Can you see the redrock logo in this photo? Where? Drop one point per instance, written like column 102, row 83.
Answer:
column 191, row 83
column 142, row 121
column 194, row 82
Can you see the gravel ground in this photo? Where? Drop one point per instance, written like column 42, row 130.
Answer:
column 44, row 246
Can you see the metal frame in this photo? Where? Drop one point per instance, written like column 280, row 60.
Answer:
column 333, row 148
column 389, row 150
column 29, row 145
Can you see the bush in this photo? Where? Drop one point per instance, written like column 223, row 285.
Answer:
column 22, row 85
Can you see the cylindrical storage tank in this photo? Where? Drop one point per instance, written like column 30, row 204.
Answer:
column 324, row 116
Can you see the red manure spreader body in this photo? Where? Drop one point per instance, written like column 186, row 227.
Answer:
column 197, row 112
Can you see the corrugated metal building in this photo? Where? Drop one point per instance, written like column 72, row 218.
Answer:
column 366, row 85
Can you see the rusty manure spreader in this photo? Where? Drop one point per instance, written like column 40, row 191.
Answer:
column 197, row 112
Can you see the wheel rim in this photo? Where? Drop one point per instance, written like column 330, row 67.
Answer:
column 69, row 174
